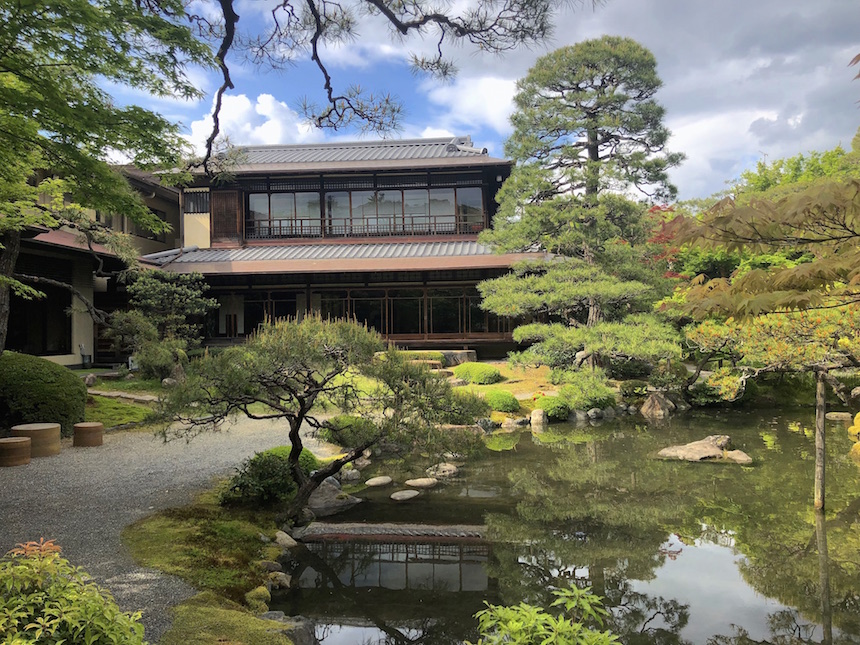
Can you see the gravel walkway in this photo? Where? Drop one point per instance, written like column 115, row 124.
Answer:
column 84, row 497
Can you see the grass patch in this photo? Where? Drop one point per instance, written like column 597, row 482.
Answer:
column 210, row 547
column 135, row 386
column 112, row 412
column 519, row 381
column 207, row 619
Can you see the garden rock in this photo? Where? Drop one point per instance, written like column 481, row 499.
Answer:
column 169, row 382
column 90, row 380
column 284, row 540
column 329, row 500
column 838, row 416
column 333, row 481
column 514, row 423
column 178, row 373
column 632, row 409
column 657, row 406
column 280, row 580
column 608, row 413
column 361, row 463
column 299, row 630
column 538, row 418
column 349, row 476
column 485, row 424
column 376, row 482
column 457, row 382
column 680, row 403
column 270, row 566
column 711, row 447
column 595, row 413
column 443, row 470
column 404, row 495
column 577, row 416
column 738, row 457
column 855, row 393
column 422, row 482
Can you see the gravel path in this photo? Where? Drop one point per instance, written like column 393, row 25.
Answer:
column 84, row 497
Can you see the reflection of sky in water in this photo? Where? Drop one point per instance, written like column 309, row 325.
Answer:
column 352, row 635
column 706, row 577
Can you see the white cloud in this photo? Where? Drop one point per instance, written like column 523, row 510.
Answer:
column 474, row 102
column 435, row 133
column 263, row 121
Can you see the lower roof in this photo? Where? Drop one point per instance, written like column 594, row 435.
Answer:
column 330, row 258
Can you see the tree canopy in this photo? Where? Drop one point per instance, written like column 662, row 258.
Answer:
column 586, row 131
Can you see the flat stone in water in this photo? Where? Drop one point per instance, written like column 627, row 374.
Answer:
column 443, row 470
column 422, row 482
column 838, row 416
column 374, row 482
column 404, row 495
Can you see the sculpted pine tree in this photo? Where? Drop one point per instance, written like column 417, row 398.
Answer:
column 586, row 131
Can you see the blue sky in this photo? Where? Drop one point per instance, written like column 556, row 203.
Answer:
column 742, row 79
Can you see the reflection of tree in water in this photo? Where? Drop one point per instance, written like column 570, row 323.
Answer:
column 590, row 519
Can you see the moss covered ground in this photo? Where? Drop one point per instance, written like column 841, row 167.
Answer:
column 112, row 412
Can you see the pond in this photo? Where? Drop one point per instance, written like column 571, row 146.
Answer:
column 704, row 553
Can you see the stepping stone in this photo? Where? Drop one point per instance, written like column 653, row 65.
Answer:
column 422, row 482
column 374, row 482
column 404, row 495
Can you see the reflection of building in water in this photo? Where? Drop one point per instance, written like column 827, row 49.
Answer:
column 430, row 566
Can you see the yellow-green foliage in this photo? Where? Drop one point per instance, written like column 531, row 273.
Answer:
column 501, row 401
column 426, row 355
column 478, row 373
column 502, row 442
column 258, row 599
column 44, row 599
column 555, row 407
column 211, row 548
column 208, row 619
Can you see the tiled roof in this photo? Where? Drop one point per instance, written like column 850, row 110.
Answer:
column 334, row 257
column 354, row 155
column 325, row 252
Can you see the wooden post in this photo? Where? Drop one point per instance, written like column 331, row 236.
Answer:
column 820, row 410
column 824, row 578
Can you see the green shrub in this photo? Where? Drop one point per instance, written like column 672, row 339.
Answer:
column 501, row 401
column 702, row 394
column 266, row 479
column 478, row 373
column 669, row 376
column 44, row 599
column 349, row 431
column 157, row 359
column 634, row 391
column 465, row 408
column 630, row 368
column 555, row 407
column 35, row 390
column 586, row 389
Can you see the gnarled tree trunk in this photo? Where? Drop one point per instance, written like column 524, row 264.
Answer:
column 11, row 242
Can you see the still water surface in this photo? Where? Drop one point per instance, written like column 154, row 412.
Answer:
column 706, row 554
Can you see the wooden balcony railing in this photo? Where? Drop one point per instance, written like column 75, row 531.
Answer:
column 370, row 227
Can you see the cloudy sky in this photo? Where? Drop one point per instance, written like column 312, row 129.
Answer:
column 742, row 79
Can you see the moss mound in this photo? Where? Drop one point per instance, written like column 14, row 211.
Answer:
column 35, row 390
column 478, row 373
column 501, row 401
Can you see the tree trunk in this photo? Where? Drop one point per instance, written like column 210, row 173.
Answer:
column 824, row 578
column 820, row 411
column 11, row 242
column 592, row 172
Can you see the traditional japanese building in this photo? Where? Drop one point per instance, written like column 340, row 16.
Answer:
column 381, row 231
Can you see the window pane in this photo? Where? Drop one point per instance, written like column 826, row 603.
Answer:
column 307, row 214
column 445, row 315
column 470, row 208
column 416, row 209
column 283, row 206
column 258, row 207
column 333, row 305
column 390, row 209
column 364, row 212
column 442, row 209
column 407, row 311
column 337, row 213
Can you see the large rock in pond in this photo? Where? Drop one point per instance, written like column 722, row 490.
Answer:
column 443, row 470
column 404, row 495
column 712, row 448
column 657, row 406
column 329, row 500
column 539, row 418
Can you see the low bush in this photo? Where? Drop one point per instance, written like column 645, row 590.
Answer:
column 478, row 373
column 634, row 391
column 501, row 401
column 586, row 389
column 157, row 359
column 631, row 368
column 35, row 390
column 669, row 376
column 555, row 407
column 349, row 431
column 425, row 355
column 44, row 599
column 266, row 479
column 466, row 408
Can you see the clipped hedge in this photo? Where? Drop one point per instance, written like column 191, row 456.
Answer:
column 265, row 478
column 478, row 373
column 633, row 391
column 555, row 407
column 587, row 389
column 425, row 355
column 501, row 401
column 35, row 390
